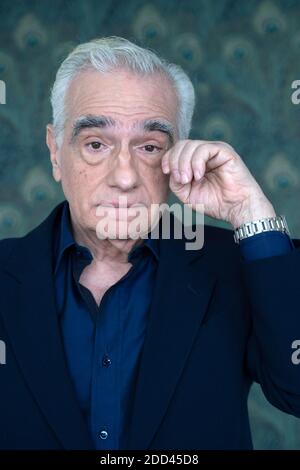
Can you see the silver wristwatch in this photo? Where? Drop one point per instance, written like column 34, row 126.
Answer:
column 249, row 229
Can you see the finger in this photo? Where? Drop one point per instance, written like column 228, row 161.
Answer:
column 202, row 159
column 198, row 164
column 216, row 155
column 174, row 159
column 184, row 161
column 165, row 162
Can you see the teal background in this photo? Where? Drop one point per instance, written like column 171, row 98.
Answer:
column 242, row 57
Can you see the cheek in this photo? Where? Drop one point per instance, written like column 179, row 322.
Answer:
column 74, row 178
column 164, row 185
column 158, row 186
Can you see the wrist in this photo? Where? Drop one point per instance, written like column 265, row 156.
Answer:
column 255, row 208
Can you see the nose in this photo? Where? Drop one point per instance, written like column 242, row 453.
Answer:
column 123, row 174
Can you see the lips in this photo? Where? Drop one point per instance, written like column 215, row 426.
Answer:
column 122, row 205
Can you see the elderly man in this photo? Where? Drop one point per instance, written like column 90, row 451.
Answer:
column 135, row 342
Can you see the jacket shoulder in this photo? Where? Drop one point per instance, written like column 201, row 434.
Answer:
column 6, row 247
column 33, row 237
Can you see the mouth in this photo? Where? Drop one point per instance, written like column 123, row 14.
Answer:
column 121, row 210
column 120, row 204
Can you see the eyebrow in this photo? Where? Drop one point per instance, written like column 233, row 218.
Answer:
column 88, row 121
column 150, row 125
column 160, row 125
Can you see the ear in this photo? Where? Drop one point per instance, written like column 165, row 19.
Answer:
column 54, row 153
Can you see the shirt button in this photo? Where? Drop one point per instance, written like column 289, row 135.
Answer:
column 106, row 361
column 103, row 434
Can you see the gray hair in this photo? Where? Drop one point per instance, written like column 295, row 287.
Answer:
column 106, row 54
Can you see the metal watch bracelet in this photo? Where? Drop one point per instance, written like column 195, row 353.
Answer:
column 249, row 229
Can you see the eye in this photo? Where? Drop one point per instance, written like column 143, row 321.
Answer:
column 95, row 145
column 152, row 148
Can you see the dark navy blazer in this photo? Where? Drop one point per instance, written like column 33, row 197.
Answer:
column 216, row 324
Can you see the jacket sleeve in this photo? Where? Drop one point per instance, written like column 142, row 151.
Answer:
column 273, row 287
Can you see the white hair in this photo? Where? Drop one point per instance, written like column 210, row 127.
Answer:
column 106, row 54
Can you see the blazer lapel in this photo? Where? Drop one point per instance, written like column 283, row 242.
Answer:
column 181, row 296
column 31, row 321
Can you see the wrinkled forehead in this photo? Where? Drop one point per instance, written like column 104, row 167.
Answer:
column 122, row 94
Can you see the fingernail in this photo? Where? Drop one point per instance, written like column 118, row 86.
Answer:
column 197, row 175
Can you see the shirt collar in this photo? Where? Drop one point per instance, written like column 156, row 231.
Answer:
column 66, row 240
column 148, row 243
